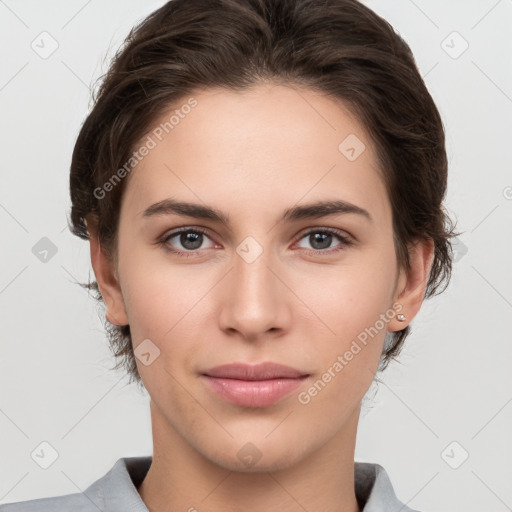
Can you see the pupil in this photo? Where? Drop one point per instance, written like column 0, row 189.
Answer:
column 195, row 238
column 325, row 240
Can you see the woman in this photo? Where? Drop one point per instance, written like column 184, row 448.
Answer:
column 261, row 183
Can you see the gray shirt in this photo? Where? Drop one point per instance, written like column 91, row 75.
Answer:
column 116, row 491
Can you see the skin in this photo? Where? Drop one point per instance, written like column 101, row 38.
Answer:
column 252, row 155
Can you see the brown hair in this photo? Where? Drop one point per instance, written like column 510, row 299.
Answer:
column 338, row 47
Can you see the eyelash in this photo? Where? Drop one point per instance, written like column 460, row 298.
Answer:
column 345, row 241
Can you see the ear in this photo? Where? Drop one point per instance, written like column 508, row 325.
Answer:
column 108, row 281
column 412, row 284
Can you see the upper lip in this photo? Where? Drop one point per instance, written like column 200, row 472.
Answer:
column 261, row 371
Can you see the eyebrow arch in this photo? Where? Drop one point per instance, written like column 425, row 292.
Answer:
column 309, row 211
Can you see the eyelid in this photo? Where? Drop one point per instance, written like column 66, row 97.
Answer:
column 305, row 231
column 335, row 231
column 346, row 240
column 184, row 229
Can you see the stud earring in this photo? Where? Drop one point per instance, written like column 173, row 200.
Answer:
column 400, row 317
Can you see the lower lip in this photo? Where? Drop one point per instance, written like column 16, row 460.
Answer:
column 253, row 393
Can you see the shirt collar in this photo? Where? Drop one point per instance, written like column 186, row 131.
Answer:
column 117, row 489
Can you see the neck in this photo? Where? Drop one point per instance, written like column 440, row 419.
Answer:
column 182, row 478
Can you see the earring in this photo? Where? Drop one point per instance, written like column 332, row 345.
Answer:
column 400, row 318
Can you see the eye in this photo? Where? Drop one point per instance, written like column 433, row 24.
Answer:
column 191, row 240
column 321, row 240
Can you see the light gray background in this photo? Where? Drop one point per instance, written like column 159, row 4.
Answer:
column 454, row 383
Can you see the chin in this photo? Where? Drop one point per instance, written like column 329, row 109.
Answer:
column 257, row 457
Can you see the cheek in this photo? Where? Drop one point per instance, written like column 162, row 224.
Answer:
column 166, row 303
column 347, row 356
column 156, row 291
column 348, row 303
column 161, row 303
column 334, row 304
column 351, row 295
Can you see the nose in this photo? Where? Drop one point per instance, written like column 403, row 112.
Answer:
column 255, row 300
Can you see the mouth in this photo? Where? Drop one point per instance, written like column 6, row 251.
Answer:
column 253, row 385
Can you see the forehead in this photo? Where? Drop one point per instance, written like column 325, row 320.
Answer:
column 266, row 146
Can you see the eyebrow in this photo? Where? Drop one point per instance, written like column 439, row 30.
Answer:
column 309, row 211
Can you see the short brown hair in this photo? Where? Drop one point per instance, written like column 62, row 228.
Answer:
column 338, row 47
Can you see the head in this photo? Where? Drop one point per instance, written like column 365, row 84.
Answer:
column 254, row 110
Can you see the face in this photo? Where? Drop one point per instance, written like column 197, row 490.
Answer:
column 255, row 285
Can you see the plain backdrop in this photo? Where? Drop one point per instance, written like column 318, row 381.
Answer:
column 439, row 422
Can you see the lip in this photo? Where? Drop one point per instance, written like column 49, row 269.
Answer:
column 253, row 385
column 261, row 371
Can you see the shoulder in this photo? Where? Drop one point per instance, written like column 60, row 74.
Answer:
column 374, row 490
column 116, row 490
column 76, row 502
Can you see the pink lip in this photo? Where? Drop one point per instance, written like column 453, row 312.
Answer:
column 253, row 385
